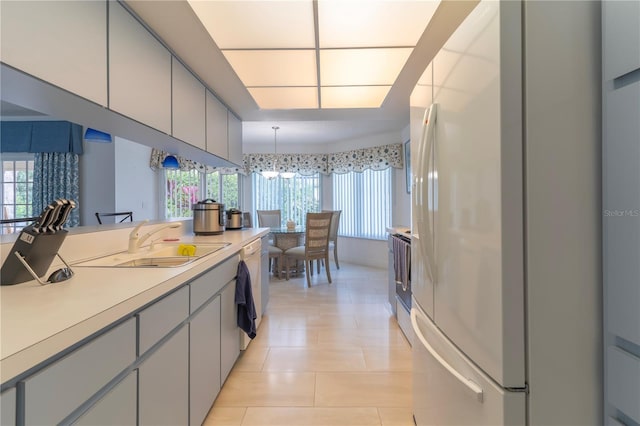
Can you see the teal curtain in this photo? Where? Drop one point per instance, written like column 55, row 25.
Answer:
column 55, row 175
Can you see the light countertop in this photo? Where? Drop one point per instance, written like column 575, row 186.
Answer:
column 399, row 230
column 37, row 322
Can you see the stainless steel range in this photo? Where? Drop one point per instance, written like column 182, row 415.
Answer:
column 401, row 251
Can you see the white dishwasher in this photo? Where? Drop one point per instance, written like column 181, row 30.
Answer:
column 251, row 256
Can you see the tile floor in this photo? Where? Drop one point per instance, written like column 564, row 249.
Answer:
column 327, row 355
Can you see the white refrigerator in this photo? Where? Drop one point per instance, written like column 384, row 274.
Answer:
column 497, row 335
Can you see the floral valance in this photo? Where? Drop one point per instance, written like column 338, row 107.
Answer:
column 358, row 160
column 303, row 164
column 158, row 156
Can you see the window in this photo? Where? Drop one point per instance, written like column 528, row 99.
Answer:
column 365, row 200
column 184, row 188
column 224, row 189
column 293, row 197
column 17, row 189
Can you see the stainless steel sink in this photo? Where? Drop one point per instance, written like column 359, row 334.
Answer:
column 162, row 255
column 158, row 262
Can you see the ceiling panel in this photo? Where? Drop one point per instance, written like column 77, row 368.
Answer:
column 285, row 97
column 353, row 96
column 274, row 67
column 378, row 23
column 361, row 67
column 257, row 24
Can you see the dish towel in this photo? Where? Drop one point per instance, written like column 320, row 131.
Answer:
column 244, row 301
column 402, row 261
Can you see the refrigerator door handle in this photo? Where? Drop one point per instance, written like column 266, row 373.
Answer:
column 473, row 386
column 424, row 160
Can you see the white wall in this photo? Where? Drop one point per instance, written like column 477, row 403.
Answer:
column 136, row 184
column 401, row 199
column 372, row 253
column 97, row 181
column 116, row 177
column 345, row 145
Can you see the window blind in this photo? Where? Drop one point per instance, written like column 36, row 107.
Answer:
column 365, row 199
column 294, row 197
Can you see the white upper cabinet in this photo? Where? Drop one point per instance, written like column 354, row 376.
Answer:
column 234, row 139
column 61, row 42
column 216, row 127
column 188, row 106
column 139, row 71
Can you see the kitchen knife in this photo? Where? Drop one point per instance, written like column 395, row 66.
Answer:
column 44, row 218
column 64, row 214
column 53, row 226
column 57, row 205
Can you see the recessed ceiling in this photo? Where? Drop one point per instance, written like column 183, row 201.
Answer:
column 295, row 109
column 351, row 50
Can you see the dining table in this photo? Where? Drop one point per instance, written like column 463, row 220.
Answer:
column 285, row 238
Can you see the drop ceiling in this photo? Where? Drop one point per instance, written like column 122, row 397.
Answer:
column 314, row 68
column 316, row 54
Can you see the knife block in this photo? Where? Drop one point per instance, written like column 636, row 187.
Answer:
column 38, row 250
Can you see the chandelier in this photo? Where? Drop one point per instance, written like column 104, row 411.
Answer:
column 272, row 174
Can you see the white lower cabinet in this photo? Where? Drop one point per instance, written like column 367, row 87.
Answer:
column 229, row 336
column 204, row 361
column 163, row 392
column 187, row 343
column 116, row 408
column 159, row 319
column 8, row 407
column 76, row 377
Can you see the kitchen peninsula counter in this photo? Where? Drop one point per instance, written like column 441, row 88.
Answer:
column 38, row 322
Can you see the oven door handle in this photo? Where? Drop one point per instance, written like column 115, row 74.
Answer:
column 404, row 286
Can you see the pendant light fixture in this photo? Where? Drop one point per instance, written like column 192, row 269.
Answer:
column 93, row 135
column 170, row 162
column 272, row 174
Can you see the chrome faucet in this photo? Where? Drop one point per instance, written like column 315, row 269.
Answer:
column 135, row 241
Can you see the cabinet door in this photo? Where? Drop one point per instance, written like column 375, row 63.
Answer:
column 204, row 361
column 139, row 71
column 621, row 201
column 229, row 335
column 217, row 142
column 8, row 407
column 188, row 106
column 620, row 38
column 79, row 375
column 206, row 285
column 163, row 383
column 117, row 407
column 159, row 319
column 62, row 42
column 235, row 139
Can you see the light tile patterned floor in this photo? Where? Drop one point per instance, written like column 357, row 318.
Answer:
column 329, row 355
